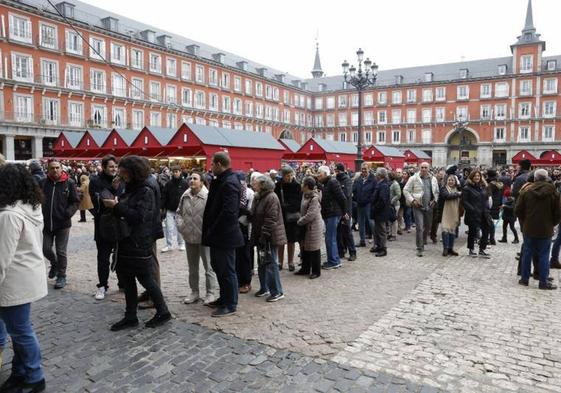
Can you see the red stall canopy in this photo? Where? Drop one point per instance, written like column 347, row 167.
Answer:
column 523, row 155
column 153, row 142
column 290, row 145
column 549, row 158
column 386, row 156
column 91, row 142
column 416, row 156
column 66, row 143
column 119, row 142
column 317, row 149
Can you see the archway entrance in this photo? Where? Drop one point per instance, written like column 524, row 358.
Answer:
column 286, row 134
column 462, row 147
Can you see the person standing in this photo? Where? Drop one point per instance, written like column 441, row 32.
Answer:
column 421, row 193
column 404, row 213
column 395, row 197
column 449, row 201
column 106, row 185
column 60, row 204
column 244, row 265
column 37, row 171
column 380, row 212
column 363, row 188
column 312, row 228
column 476, row 205
column 495, row 191
column 345, row 239
column 86, row 200
column 509, row 219
column 171, row 194
column 539, row 210
column 190, row 224
column 221, row 232
column 22, row 275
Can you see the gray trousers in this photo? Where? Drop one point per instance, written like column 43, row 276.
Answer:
column 423, row 223
column 380, row 234
column 59, row 260
column 196, row 252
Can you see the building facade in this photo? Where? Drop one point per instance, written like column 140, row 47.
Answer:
column 78, row 67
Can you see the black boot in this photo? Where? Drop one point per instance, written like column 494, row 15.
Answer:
column 503, row 240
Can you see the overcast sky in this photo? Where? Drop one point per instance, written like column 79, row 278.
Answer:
column 394, row 33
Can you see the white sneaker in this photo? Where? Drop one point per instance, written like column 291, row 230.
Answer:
column 100, row 293
column 182, row 247
column 166, row 249
column 209, row 299
column 192, row 298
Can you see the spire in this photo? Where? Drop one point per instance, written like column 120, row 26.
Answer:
column 529, row 35
column 529, row 25
column 317, row 71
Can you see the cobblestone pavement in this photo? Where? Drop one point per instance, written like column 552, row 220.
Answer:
column 400, row 323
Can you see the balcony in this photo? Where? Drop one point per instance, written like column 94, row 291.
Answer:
column 40, row 120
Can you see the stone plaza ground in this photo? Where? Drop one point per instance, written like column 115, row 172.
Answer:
column 395, row 324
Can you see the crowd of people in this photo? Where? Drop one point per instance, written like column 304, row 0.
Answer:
column 233, row 222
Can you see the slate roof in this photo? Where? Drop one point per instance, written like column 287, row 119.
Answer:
column 73, row 137
column 128, row 135
column 336, row 146
column 419, row 153
column 163, row 135
column 291, row 144
column 389, row 151
column 217, row 136
column 99, row 136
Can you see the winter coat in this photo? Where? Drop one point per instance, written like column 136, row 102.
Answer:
column 380, row 207
column 157, row 230
column 86, row 202
column 172, row 192
column 136, row 207
column 539, row 209
column 414, row 189
column 508, row 209
column 519, row 180
column 102, row 184
column 221, row 228
column 189, row 216
column 290, row 196
column 266, row 220
column 310, row 211
column 448, row 202
column 333, row 201
column 395, row 194
column 495, row 190
column 22, row 269
column 60, row 204
column 347, row 187
column 38, row 175
column 363, row 190
column 476, row 204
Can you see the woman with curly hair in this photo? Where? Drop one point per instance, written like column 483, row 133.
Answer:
column 22, row 274
column 134, row 251
column 476, row 205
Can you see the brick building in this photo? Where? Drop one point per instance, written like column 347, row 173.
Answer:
column 79, row 67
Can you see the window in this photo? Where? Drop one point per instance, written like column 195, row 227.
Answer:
column 343, row 102
column 501, row 89
column 248, row 86
column 238, row 84
column 201, row 121
column 524, row 134
column 382, row 119
column 199, row 99
column 76, row 114
column 119, row 85
column 428, row 76
column 249, row 110
column 185, row 71
column 97, row 48
column 99, row 115
column 73, row 42
column 440, row 94
column 119, row 119
column 212, row 77
column 213, row 101
column 368, row 137
column 499, row 134
column 462, row 113
column 48, row 37
column 137, row 88
column 368, row 99
column 318, row 103
column 411, row 96
column 396, row 97
column 49, row 72
column 155, row 119
column 155, row 63
column 500, row 112
column 551, row 65
column 526, row 88
column 259, row 111
column 318, row 121
column 381, row 137
column 186, row 97
column 171, row 120
column 51, row 111
column 342, row 119
column 548, row 133
column 171, row 94
column 97, row 81
column 382, row 98
column 526, row 63
column 524, row 110
column 411, row 136
column 354, row 118
column 20, row 29
column 426, row 136
column 411, row 116
column 463, row 92
column 225, row 81
column 550, row 86
column 342, row 137
column 73, row 77
column 485, row 112
column 464, row 73
column 137, row 119
column 549, row 109
column 502, row 69
column 237, row 109
column 368, row 118
column 396, row 116
column 137, row 59
column 440, row 115
column 268, row 92
column 171, row 67
column 258, row 89
column 355, row 137
column 226, row 124
column 22, row 67
column 199, row 74
column 155, row 91
column 396, row 137
column 117, row 54
column 226, row 104
column 427, row 115
column 427, row 95
column 485, row 90
column 330, row 102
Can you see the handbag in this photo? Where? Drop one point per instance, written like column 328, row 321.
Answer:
column 264, row 254
column 113, row 228
column 289, row 217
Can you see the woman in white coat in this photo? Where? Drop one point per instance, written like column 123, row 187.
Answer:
column 189, row 220
column 22, row 274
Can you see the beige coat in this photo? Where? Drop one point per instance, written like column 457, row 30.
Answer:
column 189, row 215
column 414, row 190
column 22, row 268
column 310, row 212
column 86, row 202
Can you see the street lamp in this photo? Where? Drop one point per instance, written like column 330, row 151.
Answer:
column 361, row 78
column 460, row 125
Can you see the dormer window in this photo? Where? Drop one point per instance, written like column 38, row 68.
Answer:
column 464, row 73
column 551, row 65
column 398, row 79
column 429, row 76
column 502, row 69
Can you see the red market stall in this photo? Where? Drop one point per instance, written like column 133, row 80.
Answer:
column 549, row 158
column 385, row 156
column 153, row 142
column 91, row 142
column 118, row 142
column 523, row 155
column 328, row 152
column 290, row 145
column 66, row 144
column 416, row 157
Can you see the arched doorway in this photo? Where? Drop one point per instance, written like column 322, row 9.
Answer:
column 462, row 146
column 286, row 134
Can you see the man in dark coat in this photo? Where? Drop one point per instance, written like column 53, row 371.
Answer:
column 345, row 239
column 495, row 190
column 221, row 232
column 60, row 204
column 521, row 177
column 363, row 188
column 171, row 194
column 380, row 212
column 37, row 171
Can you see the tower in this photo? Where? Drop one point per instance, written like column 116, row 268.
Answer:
column 527, row 51
column 317, row 71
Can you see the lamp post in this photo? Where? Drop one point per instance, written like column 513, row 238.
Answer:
column 360, row 79
column 460, row 125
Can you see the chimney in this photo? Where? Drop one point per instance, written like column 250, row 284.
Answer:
column 219, row 57
column 193, row 49
column 66, row 9
column 111, row 23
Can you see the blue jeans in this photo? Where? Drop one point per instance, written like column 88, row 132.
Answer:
column 407, row 217
column 269, row 276
column 26, row 362
column 556, row 246
column 363, row 216
column 171, row 230
column 448, row 240
column 3, row 335
column 331, row 240
column 223, row 262
column 541, row 247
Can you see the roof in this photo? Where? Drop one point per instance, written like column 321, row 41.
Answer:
column 389, row 151
column 419, row 153
column 73, row 137
column 162, row 135
column 99, row 136
column 218, row 136
column 291, row 144
column 128, row 135
column 335, row 146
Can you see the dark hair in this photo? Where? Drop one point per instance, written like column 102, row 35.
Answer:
column 105, row 160
column 309, row 182
column 201, row 176
column 176, row 168
column 18, row 185
column 138, row 168
column 222, row 158
column 53, row 160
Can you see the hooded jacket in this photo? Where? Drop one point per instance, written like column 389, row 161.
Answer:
column 22, row 269
column 539, row 210
column 189, row 216
column 495, row 190
column 61, row 203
